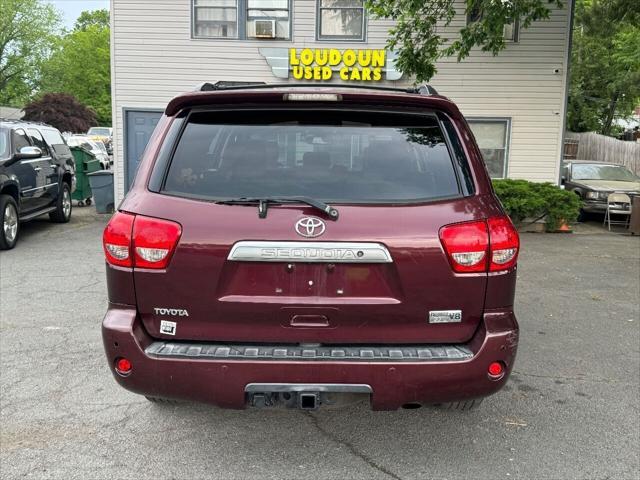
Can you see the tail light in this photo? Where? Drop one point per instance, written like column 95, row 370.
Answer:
column 116, row 240
column 504, row 242
column 467, row 245
column 139, row 241
column 154, row 241
column 481, row 246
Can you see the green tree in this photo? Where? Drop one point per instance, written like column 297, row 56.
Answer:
column 605, row 64
column 80, row 66
column 417, row 34
column 88, row 18
column 27, row 32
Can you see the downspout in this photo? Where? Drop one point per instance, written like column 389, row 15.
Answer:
column 567, row 81
column 118, row 163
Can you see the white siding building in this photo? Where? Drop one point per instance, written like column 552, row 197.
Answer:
column 515, row 101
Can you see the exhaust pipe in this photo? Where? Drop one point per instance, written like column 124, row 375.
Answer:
column 308, row 401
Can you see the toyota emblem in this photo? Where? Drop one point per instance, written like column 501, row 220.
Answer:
column 310, row 227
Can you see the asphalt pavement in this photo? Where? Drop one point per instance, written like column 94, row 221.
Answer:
column 570, row 410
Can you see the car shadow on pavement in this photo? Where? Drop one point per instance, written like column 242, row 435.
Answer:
column 352, row 439
column 34, row 230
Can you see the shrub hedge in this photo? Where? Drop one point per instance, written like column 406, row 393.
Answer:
column 523, row 199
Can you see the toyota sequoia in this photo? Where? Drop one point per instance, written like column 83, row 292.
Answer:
column 290, row 245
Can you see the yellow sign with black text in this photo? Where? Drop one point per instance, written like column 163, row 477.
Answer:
column 322, row 64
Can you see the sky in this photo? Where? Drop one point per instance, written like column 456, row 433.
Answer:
column 71, row 9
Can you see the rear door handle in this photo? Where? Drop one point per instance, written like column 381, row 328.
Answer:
column 37, row 169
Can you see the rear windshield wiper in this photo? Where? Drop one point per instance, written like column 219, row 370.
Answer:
column 263, row 203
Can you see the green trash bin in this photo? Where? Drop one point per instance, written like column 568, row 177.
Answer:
column 86, row 163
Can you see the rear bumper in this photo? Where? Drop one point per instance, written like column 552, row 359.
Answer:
column 393, row 382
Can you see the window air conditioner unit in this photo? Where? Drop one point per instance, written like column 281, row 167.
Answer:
column 264, row 28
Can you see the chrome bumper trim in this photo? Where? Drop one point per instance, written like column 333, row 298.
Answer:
column 310, row 252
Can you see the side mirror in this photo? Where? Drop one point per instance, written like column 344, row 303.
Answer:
column 28, row 153
column 563, row 179
column 25, row 153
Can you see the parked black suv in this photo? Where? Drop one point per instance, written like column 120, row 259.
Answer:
column 37, row 176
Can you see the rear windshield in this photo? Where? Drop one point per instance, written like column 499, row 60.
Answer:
column 602, row 172
column 99, row 131
column 334, row 156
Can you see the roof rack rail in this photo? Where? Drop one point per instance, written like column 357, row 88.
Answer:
column 426, row 89
column 225, row 84
column 230, row 85
column 20, row 120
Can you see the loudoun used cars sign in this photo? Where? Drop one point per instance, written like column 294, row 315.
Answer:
column 330, row 64
column 319, row 64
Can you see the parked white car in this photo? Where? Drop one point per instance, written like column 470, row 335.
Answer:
column 104, row 134
column 97, row 148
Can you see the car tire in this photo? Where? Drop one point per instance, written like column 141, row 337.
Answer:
column 62, row 213
column 583, row 216
column 9, row 222
column 161, row 401
column 464, row 405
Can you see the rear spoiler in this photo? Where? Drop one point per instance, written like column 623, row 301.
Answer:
column 212, row 93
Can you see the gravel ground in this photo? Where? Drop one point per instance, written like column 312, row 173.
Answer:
column 571, row 409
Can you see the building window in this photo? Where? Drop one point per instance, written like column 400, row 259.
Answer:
column 492, row 136
column 269, row 19
column 510, row 31
column 341, row 20
column 215, row 18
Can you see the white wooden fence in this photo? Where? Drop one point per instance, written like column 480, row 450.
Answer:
column 592, row 146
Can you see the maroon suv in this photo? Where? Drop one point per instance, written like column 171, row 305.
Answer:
column 283, row 245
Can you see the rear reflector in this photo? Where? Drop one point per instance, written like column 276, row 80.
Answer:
column 496, row 370
column 481, row 246
column 123, row 366
column 139, row 241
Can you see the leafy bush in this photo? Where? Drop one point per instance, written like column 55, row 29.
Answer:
column 62, row 111
column 523, row 199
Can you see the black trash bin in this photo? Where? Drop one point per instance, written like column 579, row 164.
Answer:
column 102, row 187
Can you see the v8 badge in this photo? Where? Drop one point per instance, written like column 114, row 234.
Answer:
column 445, row 316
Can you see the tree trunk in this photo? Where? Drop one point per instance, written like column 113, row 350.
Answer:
column 610, row 114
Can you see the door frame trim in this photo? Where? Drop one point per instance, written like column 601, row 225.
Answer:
column 125, row 143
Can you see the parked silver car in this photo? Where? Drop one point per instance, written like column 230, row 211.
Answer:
column 594, row 181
